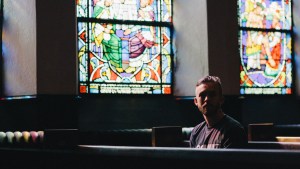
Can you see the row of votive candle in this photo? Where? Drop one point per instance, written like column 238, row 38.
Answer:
column 19, row 137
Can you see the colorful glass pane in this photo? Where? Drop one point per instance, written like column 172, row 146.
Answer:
column 266, row 14
column 81, row 8
column 133, row 10
column 166, row 10
column 266, row 62
column 265, row 46
column 82, row 51
column 115, row 57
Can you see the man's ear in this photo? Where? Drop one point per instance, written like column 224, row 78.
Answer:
column 195, row 101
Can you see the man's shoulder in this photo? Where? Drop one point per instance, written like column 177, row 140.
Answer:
column 199, row 127
column 231, row 120
column 200, row 124
column 235, row 133
column 232, row 123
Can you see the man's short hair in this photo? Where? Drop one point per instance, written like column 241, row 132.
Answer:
column 213, row 79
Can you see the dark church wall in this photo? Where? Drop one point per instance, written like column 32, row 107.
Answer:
column 115, row 112
column 223, row 53
column 103, row 113
column 38, row 113
column 56, row 47
column 145, row 112
column 271, row 109
column 96, row 113
column 19, row 114
column 135, row 112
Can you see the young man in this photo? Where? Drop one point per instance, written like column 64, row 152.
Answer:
column 218, row 130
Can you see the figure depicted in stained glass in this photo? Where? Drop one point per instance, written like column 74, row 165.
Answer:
column 125, row 10
column 121, row 49
column 256, row 16
column 143, row 39
column 253, row 49
column 266, row 52
column 263, row 48
column 264, row 13
column 124, row 45
column 275, row 15
column 273, row 63
column 104, row 35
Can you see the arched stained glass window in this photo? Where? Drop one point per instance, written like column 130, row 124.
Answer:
column 265, row 39
column 125, row 46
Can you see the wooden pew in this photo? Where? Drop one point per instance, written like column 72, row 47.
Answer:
column 128, row 157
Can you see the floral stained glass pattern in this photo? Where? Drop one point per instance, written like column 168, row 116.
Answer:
column 124, row 46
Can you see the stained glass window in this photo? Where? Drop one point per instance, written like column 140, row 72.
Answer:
column 1, row 60
column 265, row 40
column 125, row 46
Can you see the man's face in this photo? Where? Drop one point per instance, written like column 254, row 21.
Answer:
column 208, row 98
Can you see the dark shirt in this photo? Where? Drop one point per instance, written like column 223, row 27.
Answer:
column 228, row 133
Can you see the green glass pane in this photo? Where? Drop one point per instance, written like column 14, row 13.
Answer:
column 125, row 49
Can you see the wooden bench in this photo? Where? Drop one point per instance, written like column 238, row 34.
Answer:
column 128, row 157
